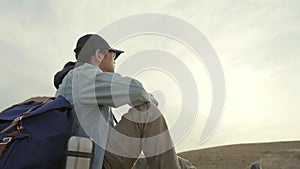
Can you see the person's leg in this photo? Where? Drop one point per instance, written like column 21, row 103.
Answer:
column 117, row 148
column 158, row 146
column 140, row 130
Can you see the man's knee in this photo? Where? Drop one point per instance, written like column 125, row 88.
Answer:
column 145, row 113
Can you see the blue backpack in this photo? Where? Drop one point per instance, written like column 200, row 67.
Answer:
column 33, row 135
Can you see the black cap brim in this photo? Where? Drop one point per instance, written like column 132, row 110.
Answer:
column 118, row 52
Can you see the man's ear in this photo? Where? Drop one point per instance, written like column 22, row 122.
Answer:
column 99, row 56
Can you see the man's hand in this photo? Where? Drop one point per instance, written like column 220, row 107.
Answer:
column 153, row 100
column 146, row 106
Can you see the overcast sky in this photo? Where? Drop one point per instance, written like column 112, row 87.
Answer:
column 257, row 42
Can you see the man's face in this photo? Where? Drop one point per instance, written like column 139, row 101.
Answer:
column 108, row 62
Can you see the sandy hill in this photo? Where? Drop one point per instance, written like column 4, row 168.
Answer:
column 276, row 155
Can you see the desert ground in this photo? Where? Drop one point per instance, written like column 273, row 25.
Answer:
column 275, row 155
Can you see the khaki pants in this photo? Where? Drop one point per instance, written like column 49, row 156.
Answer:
column 140, row 131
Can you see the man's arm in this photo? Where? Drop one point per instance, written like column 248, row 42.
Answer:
column 113, row 90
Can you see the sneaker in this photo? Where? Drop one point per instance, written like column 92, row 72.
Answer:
column 255, row 166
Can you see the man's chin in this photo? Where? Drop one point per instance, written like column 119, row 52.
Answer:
column 111, row 71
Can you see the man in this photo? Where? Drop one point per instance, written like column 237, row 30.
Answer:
column 93, row 88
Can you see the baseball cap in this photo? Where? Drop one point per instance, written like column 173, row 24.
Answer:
column 94, row 41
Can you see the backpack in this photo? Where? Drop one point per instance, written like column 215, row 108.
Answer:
column 33, row 134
